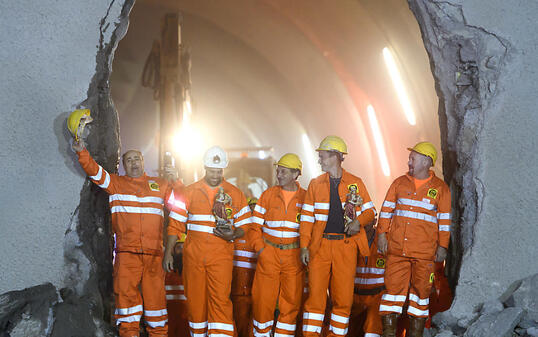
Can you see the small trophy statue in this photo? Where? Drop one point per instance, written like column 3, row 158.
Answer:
column 221, row 212
column 353, row 200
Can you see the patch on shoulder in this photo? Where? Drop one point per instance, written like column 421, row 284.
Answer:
column 432, row 193
column 154, row 186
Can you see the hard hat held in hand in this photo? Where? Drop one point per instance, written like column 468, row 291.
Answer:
column 333, row 143
column 427, row 149
column 291, row 161
column 216, row 157
column 76, row 122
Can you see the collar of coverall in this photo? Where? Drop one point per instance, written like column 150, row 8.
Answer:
column 144, row 176
column 200, row 185
column 411, row 178
column 346, row 177
column 296, row 184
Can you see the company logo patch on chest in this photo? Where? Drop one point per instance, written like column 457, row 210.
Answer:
column 432, row 193
column 229, row 212
column 380, row 263
column 154, row 186
column 298, row 218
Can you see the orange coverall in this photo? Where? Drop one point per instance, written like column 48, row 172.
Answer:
column 369, row 286
column 279, row 272
column 243, row 275
column 136, row 205
column 417, row 222
column 332, row 262
column 176, row 305
column 207, row 259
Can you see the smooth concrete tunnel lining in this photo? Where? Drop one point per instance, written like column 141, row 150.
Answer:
column 481, row 76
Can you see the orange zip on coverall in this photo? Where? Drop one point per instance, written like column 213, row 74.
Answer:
column 332, row 262
column 279, row 272
column 369, row 286
column 207, row 259
column 136, row 205
column 243, row 276
column 417, row 222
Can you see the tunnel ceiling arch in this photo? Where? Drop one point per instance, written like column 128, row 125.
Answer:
column 265, row 72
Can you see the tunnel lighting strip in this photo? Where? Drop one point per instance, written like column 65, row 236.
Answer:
column 378, row 141
column 399, row 86
column 309, row 151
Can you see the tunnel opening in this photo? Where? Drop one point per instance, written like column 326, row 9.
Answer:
column 272, row 85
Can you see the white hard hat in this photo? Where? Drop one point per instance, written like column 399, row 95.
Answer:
column 216, row 157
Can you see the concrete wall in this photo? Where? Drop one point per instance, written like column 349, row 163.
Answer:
column 483, row 55
column 55, row 57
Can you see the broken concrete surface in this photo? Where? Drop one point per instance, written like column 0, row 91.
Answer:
column 484, row 80
column 501, row 323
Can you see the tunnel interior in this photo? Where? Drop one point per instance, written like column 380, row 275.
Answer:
column 284, row 75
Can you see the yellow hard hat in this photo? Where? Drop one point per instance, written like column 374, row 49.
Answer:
column 291, row 161
column 182, row 237
column 73, row 121
column 427, row 149
column 333, row 143
column 252, row 200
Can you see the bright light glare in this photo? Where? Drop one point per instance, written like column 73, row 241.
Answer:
column 261, row 154
column 399, row 86
column 310, row 158
column 378, row 141
column 188, row 142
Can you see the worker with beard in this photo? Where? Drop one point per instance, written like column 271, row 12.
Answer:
column 335, row 208
column 414, row 233
column 213, row 213
column 274, row 235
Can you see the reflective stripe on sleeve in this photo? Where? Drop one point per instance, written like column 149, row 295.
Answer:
column 307, row 218
column 444, row 228
column 178, row 217
column 443, row 216
column 242, row 212
column 321, row 205
column 308, row 208
column 107, row 181
column 259, row 209
column 139, row 210
column 385, row 215
column 321, row 217
column 389, row 204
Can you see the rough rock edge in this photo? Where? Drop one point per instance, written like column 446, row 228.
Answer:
column 88, row 246
column 466, row 63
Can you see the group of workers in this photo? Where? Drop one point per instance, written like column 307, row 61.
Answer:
column 295, row 262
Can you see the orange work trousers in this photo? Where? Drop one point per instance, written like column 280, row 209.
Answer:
column 207, row 274
column 365, row 316
column 279, row 276
column 405, row 275
column 243, row 314
column 134, row 272
column 332, row 267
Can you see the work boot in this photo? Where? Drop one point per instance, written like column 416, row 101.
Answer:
column 416, row 326
column 390, row 323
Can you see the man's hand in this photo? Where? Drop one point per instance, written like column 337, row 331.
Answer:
column 353, row 227
column 225, row 234
column 168, row 262
column 382, row 243
column 440, row 256
column 78, row 145
column 305, row 256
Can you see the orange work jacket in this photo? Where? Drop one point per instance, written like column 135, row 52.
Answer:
column 370, row 271
column 193, row 212
column 315, row 211
column 417, row 221
column 272, row 220
column 244, row 267
column 136, row 205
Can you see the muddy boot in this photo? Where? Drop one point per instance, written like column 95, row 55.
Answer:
column 390, row 323
column 416, row 326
